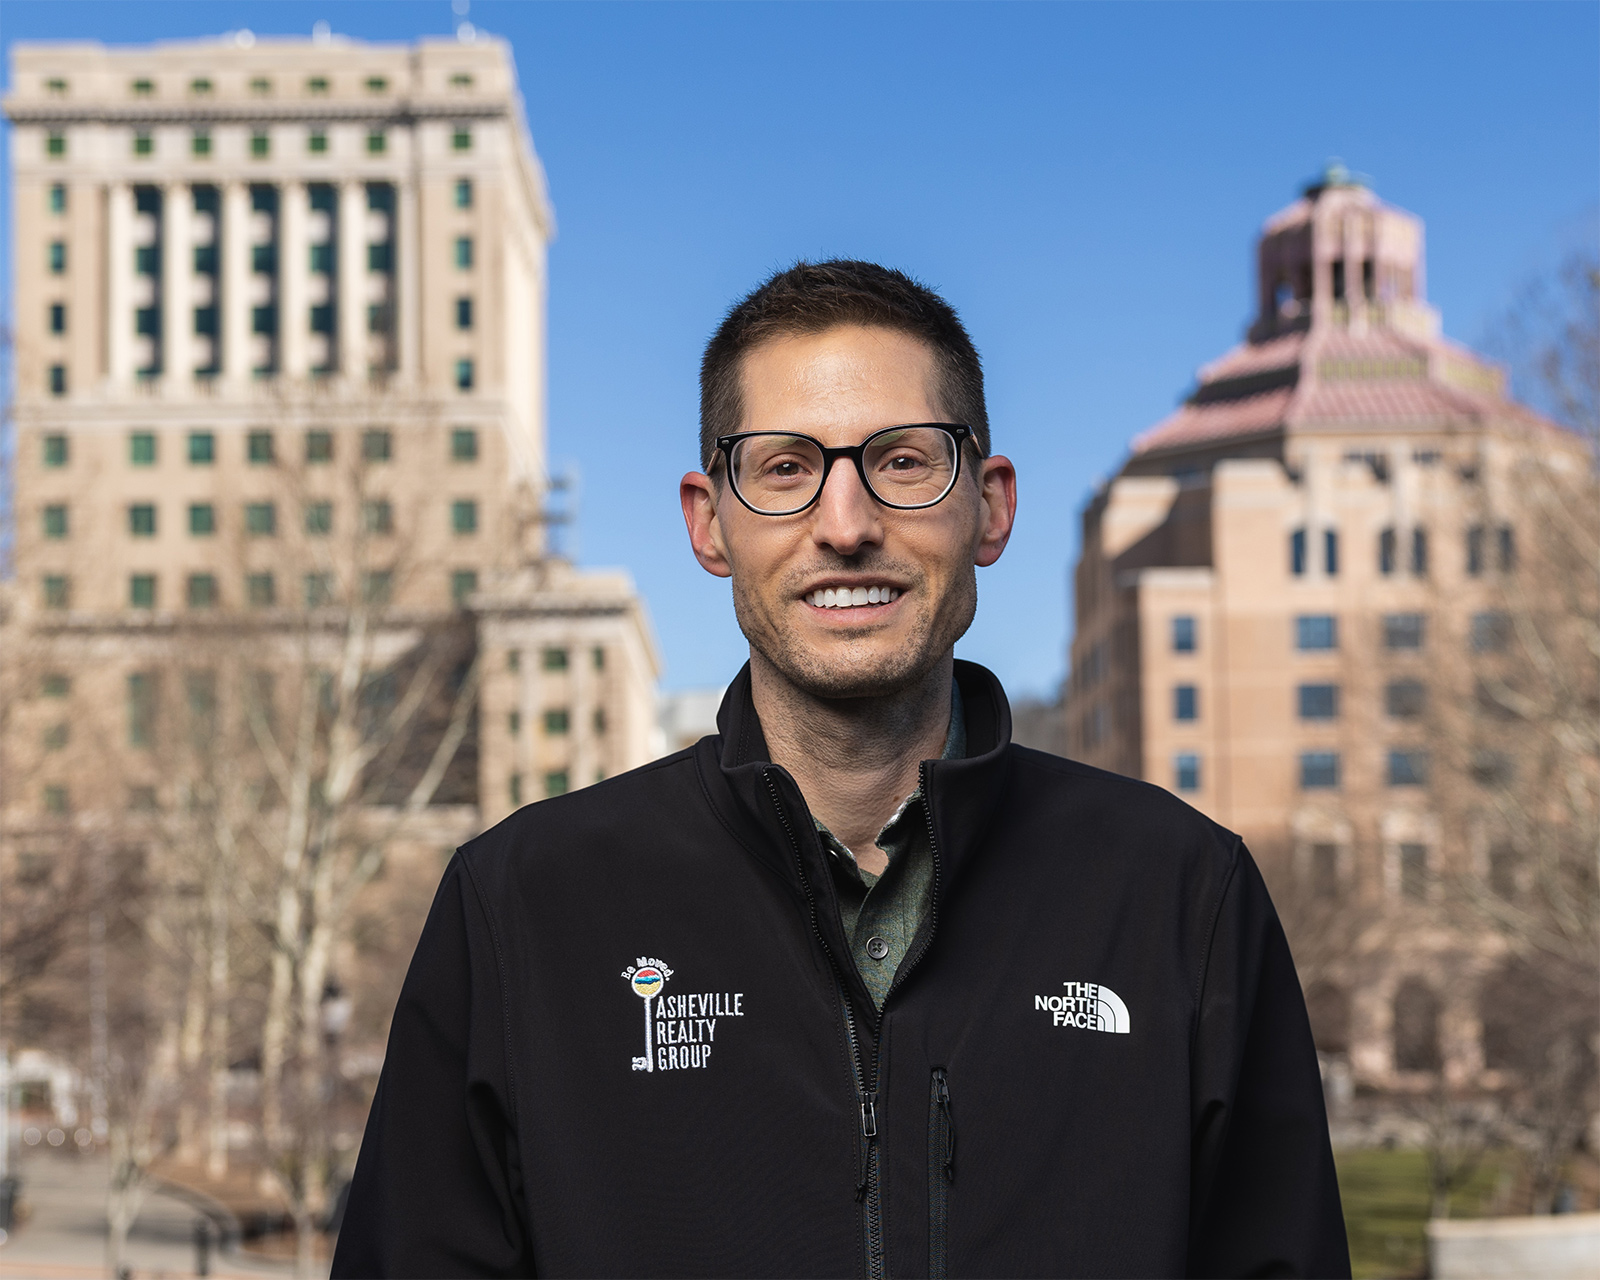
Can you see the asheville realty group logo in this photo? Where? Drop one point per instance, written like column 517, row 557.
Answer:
column 678, row 1030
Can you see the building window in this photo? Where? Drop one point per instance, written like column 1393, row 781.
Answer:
column 57, row 736
column 463, row 193
column 377, row 444
column 1324, row 870
column 202, row 590
column 1506, row 545
column 205, row 318
column 56, row 87
column 379, row 258
column 377, row 586
column 202, row 448
column 1491, row 631
column 1405, row 699
column 58, row 198
column 557, row 721
column 377, row 516
column 1330, row 552
column 1315, row 632
column 463, row 313
column 463, row 583
column 261, row 86
column 55, row 801
column 597, row 656
column 1419, row 551
column 319, row 446
column 142, row 449
column 1186, row 771
column 553, row 659
column 514, row 723
column 461, row 138
column 56, row 451
column 600, row 721
column 1297, row 552
column 142, row 520
column 261, row 590
column 147, row 320
column 1416, row 1027
column 264, row 319
column 514, row 790
column 464, row 252
column 202, row 519
column 55, row 144
column 260, row 145
column 143, row 143
column 1413, row 870
column 317, row 84
column 1185, row 702
column 55, row 521
column 57, row 591
column 142, row 590
column 318, row 590
column 57, row 257
column 1403, row 631
column 1386, row 552
column 460, row 80
column 317, row 142
column 377, row 84
column 1492, row 768
column 513, row 660
column 263, row 262
column 377, row 317
column 319, row 519
column 258, row 447
column 200, row 86
column 1319, row 701
column 1408, row 768
column 200, row 142
column 261, row 519
column 322, row 265
column 58, row 316
column 142, row 88
column 464, row 516
column 58, row 379
column 556, row 783
column 1319, row 770
column 1475, row 538
column 464, row 375
column 377, row 142
column 464, row 444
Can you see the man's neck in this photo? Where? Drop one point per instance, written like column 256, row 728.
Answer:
column 855, row 759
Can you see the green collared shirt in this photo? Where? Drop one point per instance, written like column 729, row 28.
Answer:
column 881, row 914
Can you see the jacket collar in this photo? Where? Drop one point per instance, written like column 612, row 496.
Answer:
column 739, row 780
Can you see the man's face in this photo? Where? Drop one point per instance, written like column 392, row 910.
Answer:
column 839, row 387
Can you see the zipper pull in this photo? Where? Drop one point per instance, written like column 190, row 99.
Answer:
column 869, row 1134
column 941, row 1087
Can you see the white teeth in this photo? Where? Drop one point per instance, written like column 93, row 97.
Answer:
column 849, row 597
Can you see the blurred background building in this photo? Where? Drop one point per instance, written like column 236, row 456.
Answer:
column 1312, row 602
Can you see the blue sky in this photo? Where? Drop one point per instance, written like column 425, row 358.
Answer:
column 1083, row 181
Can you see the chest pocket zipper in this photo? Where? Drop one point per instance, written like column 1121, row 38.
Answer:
column 941, row 1174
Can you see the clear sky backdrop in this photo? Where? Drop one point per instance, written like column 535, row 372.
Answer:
column 1083, row 181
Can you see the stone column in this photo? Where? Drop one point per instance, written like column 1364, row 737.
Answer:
column 234, row 234
column 294, row 268
column 352, row 292
column 177, row 295
column 119, row 284
column 408, row 284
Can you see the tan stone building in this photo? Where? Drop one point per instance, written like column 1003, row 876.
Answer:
column 1282, row 602
column 280, row 346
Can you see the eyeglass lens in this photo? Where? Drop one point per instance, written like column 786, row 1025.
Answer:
column 905, row 467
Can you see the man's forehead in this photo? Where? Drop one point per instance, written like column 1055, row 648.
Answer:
column 848, row 375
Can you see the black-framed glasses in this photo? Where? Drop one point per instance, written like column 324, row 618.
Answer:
column 909, row 467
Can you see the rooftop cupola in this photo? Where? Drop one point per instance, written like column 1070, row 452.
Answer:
column 1339, row 257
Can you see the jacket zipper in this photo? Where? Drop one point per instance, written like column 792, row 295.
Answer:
column 867, row 1183
column 867, row 1193
column 941, row 1173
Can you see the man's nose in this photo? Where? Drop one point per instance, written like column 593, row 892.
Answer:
column 846, row 516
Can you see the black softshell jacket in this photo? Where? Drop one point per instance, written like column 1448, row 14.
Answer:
column 633, row 1042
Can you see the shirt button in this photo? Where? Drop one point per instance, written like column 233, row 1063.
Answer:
column 877, row 948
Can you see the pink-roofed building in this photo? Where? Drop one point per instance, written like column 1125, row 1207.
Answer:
column 1281, row 593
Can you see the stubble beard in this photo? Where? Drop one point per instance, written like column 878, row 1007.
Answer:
column 858, row 667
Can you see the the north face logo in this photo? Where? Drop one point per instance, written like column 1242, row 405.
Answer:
column 1086, row 1005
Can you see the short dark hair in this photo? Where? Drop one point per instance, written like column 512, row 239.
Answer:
column 811, row 297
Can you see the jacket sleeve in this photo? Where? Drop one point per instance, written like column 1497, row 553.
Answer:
column 436, row 1190
column 1264, row 1194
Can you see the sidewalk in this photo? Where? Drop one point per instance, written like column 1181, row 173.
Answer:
column 64, row 1235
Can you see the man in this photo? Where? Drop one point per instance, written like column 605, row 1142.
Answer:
column 855, row 986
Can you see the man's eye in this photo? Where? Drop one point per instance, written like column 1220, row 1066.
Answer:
column 905, row 462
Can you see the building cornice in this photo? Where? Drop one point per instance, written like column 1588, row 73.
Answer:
column 393, row 112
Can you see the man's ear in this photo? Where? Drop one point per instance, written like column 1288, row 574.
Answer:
column 697, row 492
column 997, row 492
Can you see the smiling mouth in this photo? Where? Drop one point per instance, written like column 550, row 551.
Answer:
column 851, row 597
